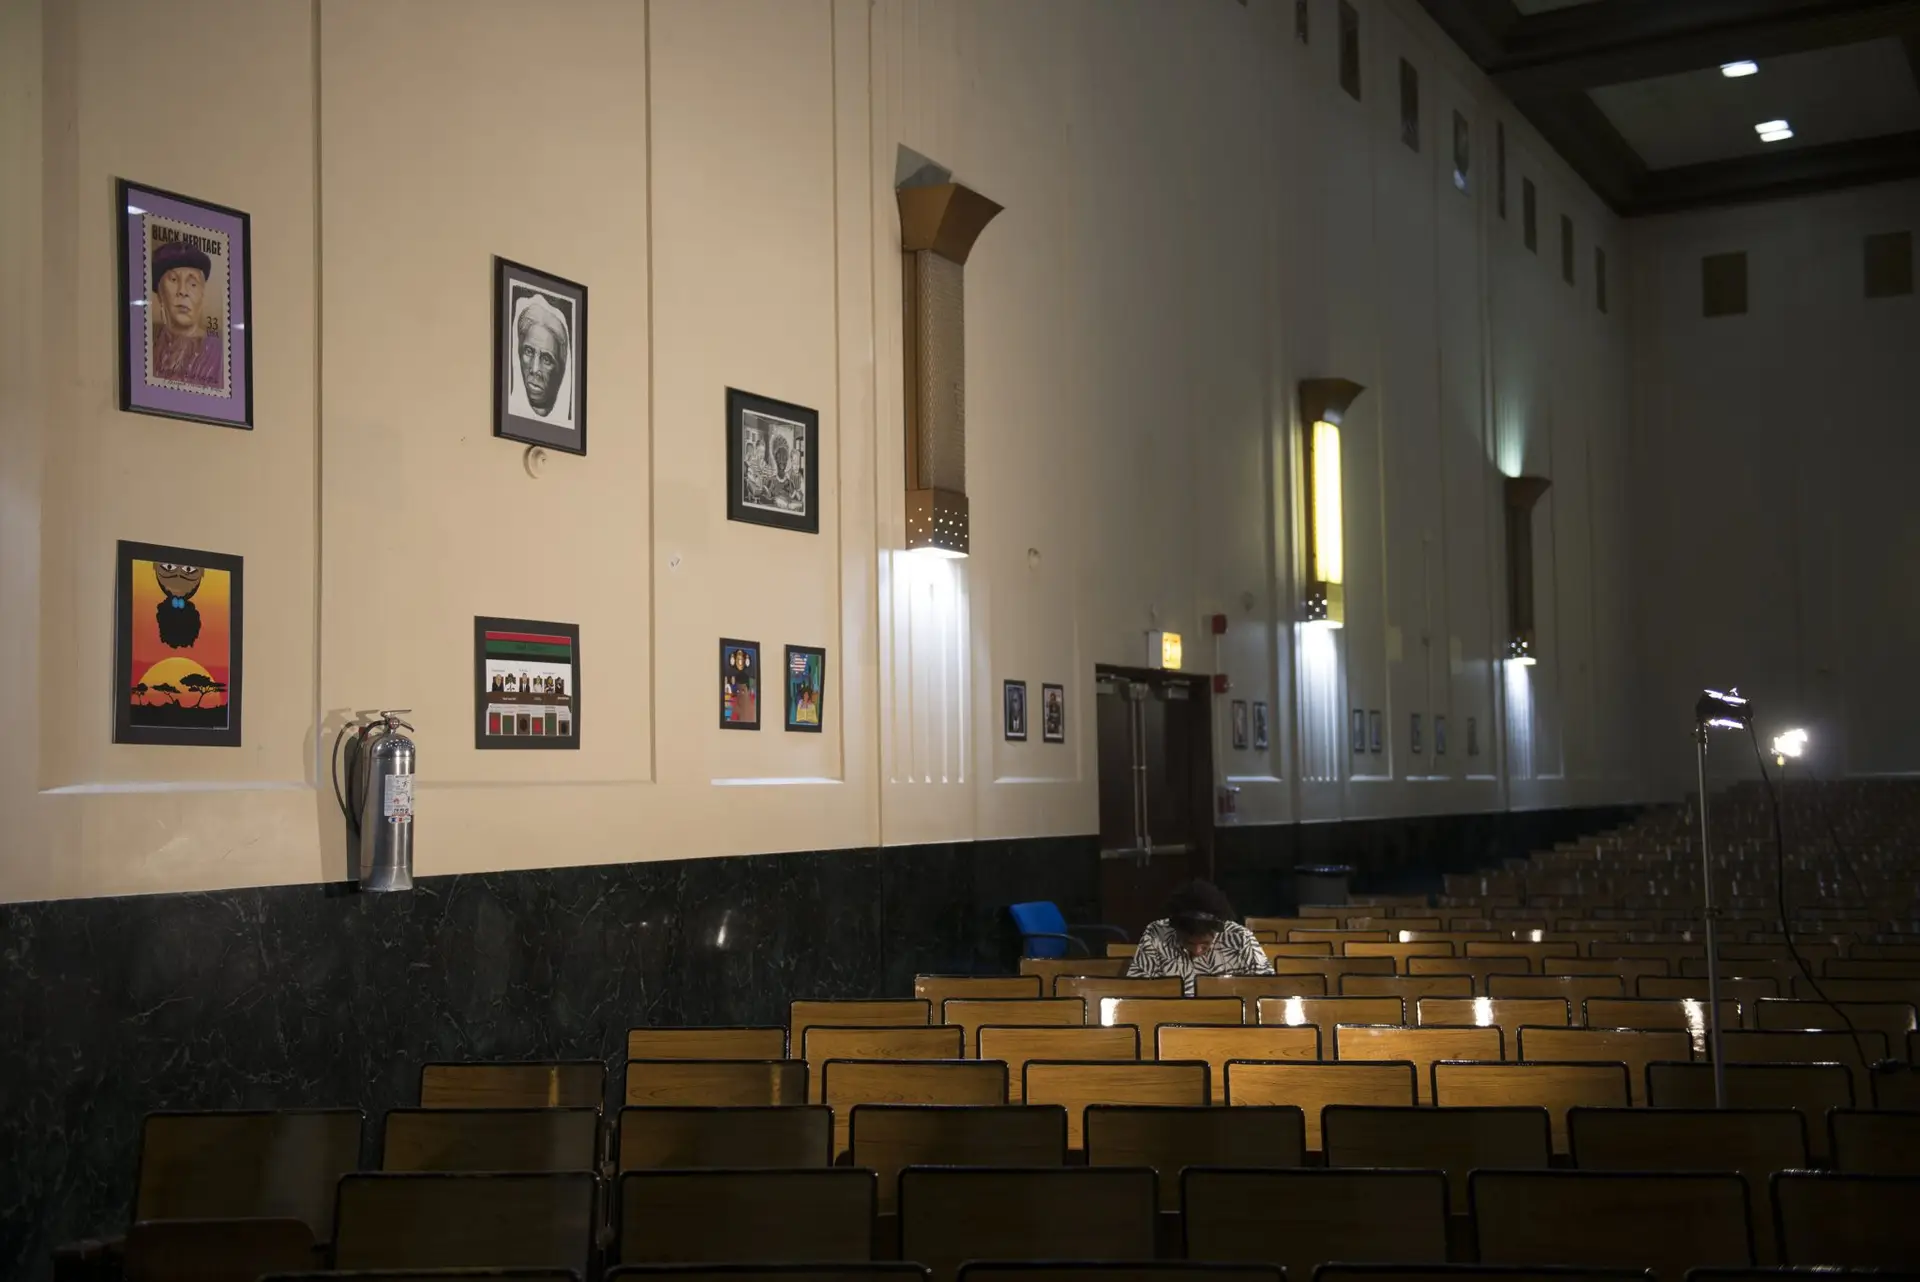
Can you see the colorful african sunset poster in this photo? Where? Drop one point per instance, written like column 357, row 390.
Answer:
column 177, row 646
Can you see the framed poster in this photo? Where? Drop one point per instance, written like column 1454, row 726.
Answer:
column 739, row 684
column 1473, row 736
column 177, row 653
column 1413, row 735
column 1376, row 736
column 1260, row 725
column 1013, row 710
column 1238, row 711
column 773, row 448
column 186, row 307
column 806, row 688
column 1439, row 734
column 539, row 358
column 1053, row 713
column 1357, row 729
column 526, row 684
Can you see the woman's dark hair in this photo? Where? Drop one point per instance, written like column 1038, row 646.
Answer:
column 1198, row 908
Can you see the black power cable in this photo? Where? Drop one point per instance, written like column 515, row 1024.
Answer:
column 1780, row 896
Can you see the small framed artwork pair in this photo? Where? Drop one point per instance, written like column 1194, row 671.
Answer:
column 1246, row 715
column 1053, row 712
column 804, row 679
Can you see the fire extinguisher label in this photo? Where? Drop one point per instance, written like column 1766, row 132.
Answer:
column 398, row 804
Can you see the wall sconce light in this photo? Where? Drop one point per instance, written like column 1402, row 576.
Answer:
column 1522, row 493
column 1323, row 402
column 938, row 224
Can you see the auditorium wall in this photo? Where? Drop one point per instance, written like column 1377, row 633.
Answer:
column 1775, row 450
column 1197, row 217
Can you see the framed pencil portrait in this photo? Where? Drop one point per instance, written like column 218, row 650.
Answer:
column 185, row 307
column 178, row 662
column 539, row 358
column 773, row 455
column 526, row 684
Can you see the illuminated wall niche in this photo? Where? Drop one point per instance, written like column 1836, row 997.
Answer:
column 1522, row 492
column 1323, row 402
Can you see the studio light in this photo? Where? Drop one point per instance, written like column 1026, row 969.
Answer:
column 1323, row 402
column 1714, row 710
column 1722, row 710
column 1791, row 744
column 1735, row 70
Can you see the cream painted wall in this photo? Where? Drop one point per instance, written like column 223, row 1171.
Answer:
column 1777, row 452
column 1196, row 218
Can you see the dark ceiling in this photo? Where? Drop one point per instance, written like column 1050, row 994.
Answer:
column 1630, row 93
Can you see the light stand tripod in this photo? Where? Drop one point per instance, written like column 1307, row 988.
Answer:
column 1730, row 712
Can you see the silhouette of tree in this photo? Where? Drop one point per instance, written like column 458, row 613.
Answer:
column 201, row 686
column 139, row 691
column 168, row 688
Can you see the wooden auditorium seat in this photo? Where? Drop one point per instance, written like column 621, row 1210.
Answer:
column 1554, row 1087
column 773, row 1217
column 1219, row 1044
column 1251, row 988
column 721, row 1042
column 848, row 1083
column 880, row 1012
column 970, row 1014
column 1313, row 1087
column 1301, row 1219
column 1457, row 1141
column 823, row 1042
column 949, row 1215
column 935, row 989
column 1634, row 1047
column 1328, row 1013
column 491, row 1139
column 1051, row 968
column 770, row 1137
column 1076, row 1085
column 1669, row 1223
column 1508, row 1014
column 715, row 1083
column 229, row 1250
column 1831, row 1220
column 1421, row 1047
column 1409, row 988
column 1170, row 1139
column 561, row 1084
column 1148, row 1014
column 1809, row 1089
column 466, row 1220
column 888, row 1138
column 1476, row 969
column 1874, row 1143
column 1091, row 988
column 1016, row 1047
column 247, row 1164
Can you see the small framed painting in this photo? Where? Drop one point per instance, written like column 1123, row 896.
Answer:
column 1013, row 710
column 1439, row 735
column 539, row 358
column 1473, row 736
column 1376, row 732
column 186, row 307
column 1357, row 729
column 806, row 688
column 1238, row 711
column 1053, row 713
column 739, row 684
column 526, row 678
column 773, row 477
column 1413, row 735
column 1260, row 725
column 177, row 646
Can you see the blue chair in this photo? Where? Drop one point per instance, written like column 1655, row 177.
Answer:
column 1044, row 931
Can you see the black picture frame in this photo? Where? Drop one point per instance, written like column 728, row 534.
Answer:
column 557, row 708
column 518, row 418
column 1261, row 740
column 795, row 690
column 1414, row 737
column 1376, row 732
column 1053, row 713
column 768, row 420
column 1013, row 710
column 1473, row 736
column 1357, row 728
column 139, row 394
column 1439, row 734
column 127, row 727
column 1237, row 715
column 740, row 663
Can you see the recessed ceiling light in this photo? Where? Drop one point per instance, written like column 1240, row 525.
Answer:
column 1776, row 135
column 1734, row 70
column 1771, row 126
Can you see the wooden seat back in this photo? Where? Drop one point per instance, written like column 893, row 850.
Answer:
column 888, row 1138
column 1328, row 1013
column 1302, row 1219
column 935, row 989
column 1893, row 1020
column 1077, row 1085
column 823, row 1042
column 1091, row 988
column 1628, row 969
column 1171, row 1139
column 1218, row 1045
column 971, row 1014
column 1399, row 951
column 1421, row 1047
column 1752, row 1046
column 236, row 1250
column 1633, row 1047
column 1339, row 938
column 466, row 1220
column 562, row 1084
column 1409, row 988
column 715, row 1083
column 1743, row 991
column 1669, row 1223
column 1455, row 1140
column 1554, row 1087
column 1019, row 1046
column 491, row 1139
column 848, row 1083
column 1331, row 969
column 746, row 1217
column 871, row 1013
column 1312, row 1088
column 771, row 1138
column 246, row 1164
column 1477, row 969
column 1508, row 1014
column 1141, row 1271
column 1051, row 968
column 1809, row 1089
column 1867, row 967
column 1661, row 1012
column 1858, row 990
column 1575, row 989
column 1753, row 1142
column 1874, row 1143
column 1148, row 1014
column 950, row 1215
column 1850, row 1221
column 1281, row 948
column 1251, row 988
column 737, row 1042
column 1535, row 953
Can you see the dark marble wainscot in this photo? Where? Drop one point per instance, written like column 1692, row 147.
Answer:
column 305, row 996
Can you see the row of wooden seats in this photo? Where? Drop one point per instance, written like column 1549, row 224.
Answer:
column 1297, row 1218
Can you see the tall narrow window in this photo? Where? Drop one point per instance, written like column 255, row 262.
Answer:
column 1566, row 249
column 1723, row 284
column 1600, row 278
column 1500, row 167
column 1300, row 20
column 1409, row 104
column 1529, row 221
column 1888, row 260
column 1350, row 50
column 1461, row 148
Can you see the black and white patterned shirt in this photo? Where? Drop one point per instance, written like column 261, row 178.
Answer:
column 1160, row 953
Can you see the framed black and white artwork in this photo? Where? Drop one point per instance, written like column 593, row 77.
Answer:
column 773, row 451
column 1013, row 709
column 539, row 358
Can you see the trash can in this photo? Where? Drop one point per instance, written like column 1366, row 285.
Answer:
column 1321, row 883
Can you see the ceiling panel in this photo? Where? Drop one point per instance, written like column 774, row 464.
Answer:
column 1829, row 95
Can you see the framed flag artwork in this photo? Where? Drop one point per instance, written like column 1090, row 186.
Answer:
column 739, row 684
column 526, row 675
column 806, row 688
column 177, row 646
column 185, row 307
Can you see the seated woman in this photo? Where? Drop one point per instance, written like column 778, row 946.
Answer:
column 1198, row 936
